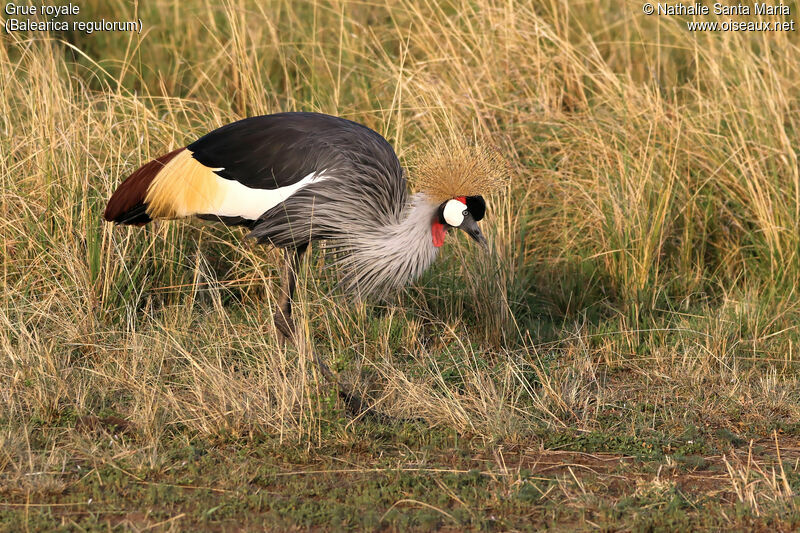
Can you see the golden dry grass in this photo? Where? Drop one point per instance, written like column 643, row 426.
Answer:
column 640, row 298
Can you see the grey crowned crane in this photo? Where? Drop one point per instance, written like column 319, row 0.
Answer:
column 293, row 178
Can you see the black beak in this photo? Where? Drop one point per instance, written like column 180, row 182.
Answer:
column 471, row 228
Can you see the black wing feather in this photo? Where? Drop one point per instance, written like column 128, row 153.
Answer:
column 271, row 151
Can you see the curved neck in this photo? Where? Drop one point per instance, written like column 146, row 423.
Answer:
column 392, row 255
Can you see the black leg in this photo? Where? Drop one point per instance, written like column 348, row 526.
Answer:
column 283, row 314
column 286, row 330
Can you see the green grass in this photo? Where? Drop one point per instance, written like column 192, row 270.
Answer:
column 371, row 476
column 624, row 359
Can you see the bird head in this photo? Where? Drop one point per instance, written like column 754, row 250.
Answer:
column 462, row 212
column 455, row 176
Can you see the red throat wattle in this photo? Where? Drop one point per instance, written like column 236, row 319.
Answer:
column 437, row 231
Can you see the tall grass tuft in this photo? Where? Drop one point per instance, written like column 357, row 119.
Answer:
column 652, row 220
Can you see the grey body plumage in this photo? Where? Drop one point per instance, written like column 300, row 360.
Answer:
column 379, row 236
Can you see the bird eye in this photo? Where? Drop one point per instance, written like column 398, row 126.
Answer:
column 465, row 212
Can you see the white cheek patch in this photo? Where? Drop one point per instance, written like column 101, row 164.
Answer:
column 454, row 213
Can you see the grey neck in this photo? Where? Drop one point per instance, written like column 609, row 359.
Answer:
column 392, row 255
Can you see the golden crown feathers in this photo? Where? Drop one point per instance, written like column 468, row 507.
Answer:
column 456, row 168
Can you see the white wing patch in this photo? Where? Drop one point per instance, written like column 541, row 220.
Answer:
column 237, row 200
column 186, row 187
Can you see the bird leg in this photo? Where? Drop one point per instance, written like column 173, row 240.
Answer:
column 354, row 404
column 283, row 314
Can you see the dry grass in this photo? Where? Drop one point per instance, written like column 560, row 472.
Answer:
column 640, row 298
